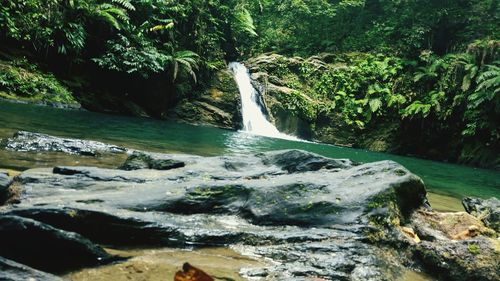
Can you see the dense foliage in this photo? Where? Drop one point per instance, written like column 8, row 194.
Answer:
column 431, row 65
column 133, row 42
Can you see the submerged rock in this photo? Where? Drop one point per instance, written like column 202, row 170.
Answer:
column 46, row 248
column 13, row 271
column 486, row 210
column 36, row 142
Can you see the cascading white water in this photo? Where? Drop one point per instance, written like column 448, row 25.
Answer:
column 254, row 121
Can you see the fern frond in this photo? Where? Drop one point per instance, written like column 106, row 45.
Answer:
column 125, row 4
column 244, row 21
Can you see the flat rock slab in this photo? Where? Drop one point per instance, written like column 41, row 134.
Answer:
column 36, row 142
column 278, row 188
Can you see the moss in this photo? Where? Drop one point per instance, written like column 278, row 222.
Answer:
column 474, row 249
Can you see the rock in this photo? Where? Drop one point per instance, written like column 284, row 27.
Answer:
column 13, row 271
column 310, row 216
column 218, row 105
column 302, row 161
column 452, row 246
column 46, row 248
column 5, row 182
column 486, row 210
column 289, row 199
column 140, row 160
column 35, row 142
column 111, row 227
column 285, row 187
column 474, row 259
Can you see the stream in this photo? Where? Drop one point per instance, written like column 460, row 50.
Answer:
column 451, row 180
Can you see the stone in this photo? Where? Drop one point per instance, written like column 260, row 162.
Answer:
column 46, row 248
column 141, row 160
column 36, row 142
column 289, row 199
column 5, row 182
column 13, row 271
column 473, row 259
column 486, row 210
column 310, row 216
column 219, row 104
column 453, row 246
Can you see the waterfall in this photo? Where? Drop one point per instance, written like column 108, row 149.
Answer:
column 254, row 120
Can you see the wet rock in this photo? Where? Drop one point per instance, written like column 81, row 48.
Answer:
column 308, row 213
column 217, row 105
column 473, row 259
column 140, row 160
column 486, row 210
column 453, row 246
column 36, row 142
column 110, row 228
column 46, row 248
column 13, row 271
column 332, row 259
column 5, row 182
column 286, row 187
column 302, row 161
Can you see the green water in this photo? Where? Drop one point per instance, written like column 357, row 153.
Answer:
column 164, row 136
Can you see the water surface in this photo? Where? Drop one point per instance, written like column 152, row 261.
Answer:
column 167, row 136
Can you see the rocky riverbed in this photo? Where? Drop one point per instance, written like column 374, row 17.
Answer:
column 299, row 215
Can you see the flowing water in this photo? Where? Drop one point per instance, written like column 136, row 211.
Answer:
column 254, row 120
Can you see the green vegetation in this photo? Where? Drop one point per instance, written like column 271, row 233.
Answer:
column 429, row 68
column 22, row 81
column 474, row 249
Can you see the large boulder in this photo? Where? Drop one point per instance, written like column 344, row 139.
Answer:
column 299, row 202
column 36, row 142
column 219, row 104
column 46, row 248
column 285, row 187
